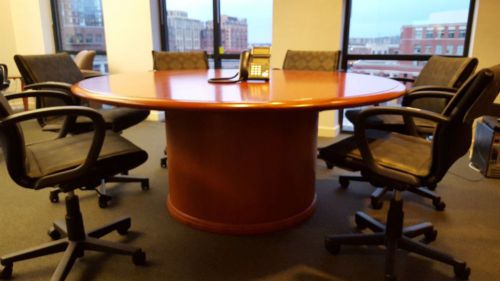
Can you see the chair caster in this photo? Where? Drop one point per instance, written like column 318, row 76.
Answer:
column 438, row 204
column 344, row 183
column 332, row 248
column 462, row 271
column 376, row 203
column 432, row 186
column 390, row 278
column 429, row 237
column 139, row 257
column 6, row 271
column 145, row 185
column 54, row 234
column 329, row 165
column 163, row 162
column 54, row 196
column 103, row 200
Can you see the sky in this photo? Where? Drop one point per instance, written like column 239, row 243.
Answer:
column 378, row 18
column 259, row 14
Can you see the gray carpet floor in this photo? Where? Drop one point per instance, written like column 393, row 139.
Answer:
column 469, row 228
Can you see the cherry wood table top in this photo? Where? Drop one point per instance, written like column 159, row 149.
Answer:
column 189, row 89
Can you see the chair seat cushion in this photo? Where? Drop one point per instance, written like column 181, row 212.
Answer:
column 117, row 155
column 393, row 150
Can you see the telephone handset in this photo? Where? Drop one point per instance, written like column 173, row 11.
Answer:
column 254, row 65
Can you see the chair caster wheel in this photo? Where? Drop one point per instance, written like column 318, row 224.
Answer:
column 376, row 203
column 145, row 185
column 139, row 257
column 6, row 271
column 344, row 183
column 122, row 230
column 360, row 223
column 432, row 186
column 329, row 165
column 390, row 278
column 430, row 237
column 103, row 201
column 163, row 162
column 332, row 248
column 54, row 196
column 438, row 204
column 54, row 234
column 462, row 271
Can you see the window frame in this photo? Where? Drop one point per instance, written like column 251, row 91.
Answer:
column 216, row 16
column 345, row 57
column 58, row 38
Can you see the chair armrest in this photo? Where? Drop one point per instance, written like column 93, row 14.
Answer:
column 72, row 111
column 90, row 73
column 65, row 97
column 50, row 84
column 413, row 96
column 362, row 140
column 433, row 88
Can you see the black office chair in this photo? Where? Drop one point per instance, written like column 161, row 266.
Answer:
column 404, row 162
column 434, row 87
column 68, row 162
column 4, row 77
column 59, row 72
column 178, row 61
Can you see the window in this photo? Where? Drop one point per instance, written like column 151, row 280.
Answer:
column 191, row 26
column 78, row 25
column 394, row 38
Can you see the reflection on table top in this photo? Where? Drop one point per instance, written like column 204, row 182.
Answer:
column 285, row 90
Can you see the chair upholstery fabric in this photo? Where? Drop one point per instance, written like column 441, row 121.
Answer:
column 311, row 60
column 85, row 59
column 179, row 60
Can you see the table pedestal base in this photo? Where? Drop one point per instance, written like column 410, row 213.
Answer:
column 241, row 172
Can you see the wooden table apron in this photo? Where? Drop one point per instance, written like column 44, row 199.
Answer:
column 239, row 166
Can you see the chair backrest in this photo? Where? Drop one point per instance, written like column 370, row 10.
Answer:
column 12, row 144
column 58, row 67
column 311, row 60
column 4, row 77
column 180, row 60
column 85, row 59
column 452, row 140
column 446, row 71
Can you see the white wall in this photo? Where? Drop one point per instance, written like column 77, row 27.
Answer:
column 129, row 34
column 308, row 25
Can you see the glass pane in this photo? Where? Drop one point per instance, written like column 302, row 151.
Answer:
column 244, row 25
column 189, row 24
column 408, row 27
column 81, row 25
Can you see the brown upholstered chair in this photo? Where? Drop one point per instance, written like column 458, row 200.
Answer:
column 85, row 61
column 403, row 162
column 311, row 60
column 178, row 61
column 69, row 162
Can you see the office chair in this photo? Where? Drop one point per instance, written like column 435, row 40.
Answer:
column 311, row 60
column 4, row 77
column 85, row 62
column 59, row 72
column 435, row 86
column 404, row 162
column 68, row 162
column 178, row 61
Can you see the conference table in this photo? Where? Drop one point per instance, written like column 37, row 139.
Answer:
column 241, row 156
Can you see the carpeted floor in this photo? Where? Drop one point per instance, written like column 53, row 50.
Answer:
column 469, row 228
